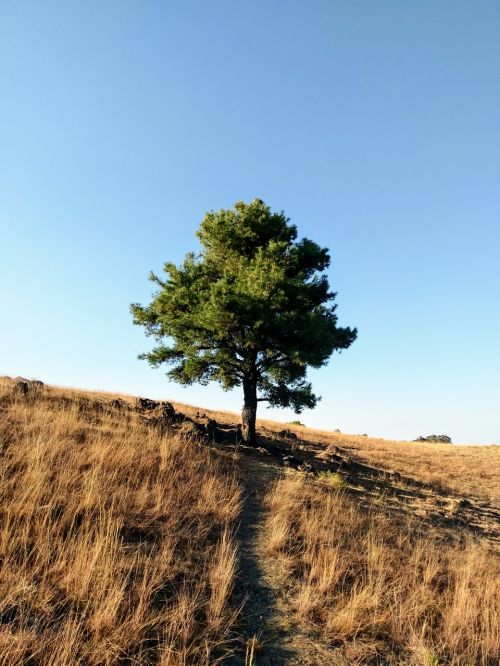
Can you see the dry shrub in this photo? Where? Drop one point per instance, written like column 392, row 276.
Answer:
column 115, row 542
column 380, row 590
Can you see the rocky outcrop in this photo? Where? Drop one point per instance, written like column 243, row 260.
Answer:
column 436, row 439
column 25, row 387
column 146, row 404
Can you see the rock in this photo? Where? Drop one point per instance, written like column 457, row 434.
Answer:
column 21, row 386
column 291, row 461
column 329, row 453
column 118, row 403
column 24, row 386
column 288, row 433
column 190, row 429
column 436, row 439
column 169, row 416
column 211, row 425
column 304, row 467
column 146, row 404
column 337, row 430
column 167, row 410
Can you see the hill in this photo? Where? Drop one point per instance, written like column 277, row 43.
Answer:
column 138, row 532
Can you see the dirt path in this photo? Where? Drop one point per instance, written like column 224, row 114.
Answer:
column 265, row 622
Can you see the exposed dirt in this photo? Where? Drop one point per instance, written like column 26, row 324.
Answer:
column 265, row 618
column 267, row 635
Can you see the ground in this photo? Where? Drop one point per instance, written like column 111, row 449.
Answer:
column 302, row 550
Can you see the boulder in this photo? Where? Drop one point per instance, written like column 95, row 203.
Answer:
column 118, row 403
column 24, row 386
column 169, row 415
column 190, row 430
column 436, row 439
column 288, row 434
column 21, row 386
column 167, row 409
column 145, row 404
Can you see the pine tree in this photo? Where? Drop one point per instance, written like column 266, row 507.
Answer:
column 252, row 309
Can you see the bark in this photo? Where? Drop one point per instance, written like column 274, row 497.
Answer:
column 249, row 413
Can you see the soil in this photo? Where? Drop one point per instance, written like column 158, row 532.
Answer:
column 265, row 622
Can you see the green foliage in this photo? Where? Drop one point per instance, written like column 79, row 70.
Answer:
column 297, row 423
column 333, row 479
column 431, row 658
column 253, row 308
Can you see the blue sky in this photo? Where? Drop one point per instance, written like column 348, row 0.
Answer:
column 375, row 126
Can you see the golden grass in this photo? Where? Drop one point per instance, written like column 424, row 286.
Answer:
column 459, row 469
column 466, row 470
column 380, row 591
column 116, row 543
column 118, row 546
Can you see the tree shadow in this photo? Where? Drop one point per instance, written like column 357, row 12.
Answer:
column 430, row 504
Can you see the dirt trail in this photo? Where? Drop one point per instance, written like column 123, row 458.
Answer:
column 264, row 618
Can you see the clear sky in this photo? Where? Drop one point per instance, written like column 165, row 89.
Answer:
column 374, row 125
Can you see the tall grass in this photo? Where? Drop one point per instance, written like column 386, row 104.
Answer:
column 116, row 542
column 445, row 468
column 382, row 592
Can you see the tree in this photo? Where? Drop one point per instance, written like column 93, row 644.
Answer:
column 252, row 309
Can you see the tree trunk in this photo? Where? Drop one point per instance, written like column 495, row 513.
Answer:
column 249, row 413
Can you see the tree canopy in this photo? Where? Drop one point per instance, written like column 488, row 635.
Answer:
column 252, row 308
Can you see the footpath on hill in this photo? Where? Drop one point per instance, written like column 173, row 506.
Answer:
column 268, row 635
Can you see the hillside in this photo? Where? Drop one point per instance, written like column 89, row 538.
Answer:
column 137, row 532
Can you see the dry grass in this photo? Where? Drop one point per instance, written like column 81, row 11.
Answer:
column 448, row 468
column 116, row 542
column 380, row 591
column 466, row 470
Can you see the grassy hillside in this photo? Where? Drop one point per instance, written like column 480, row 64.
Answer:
column 116, row 541
column 133, row 534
